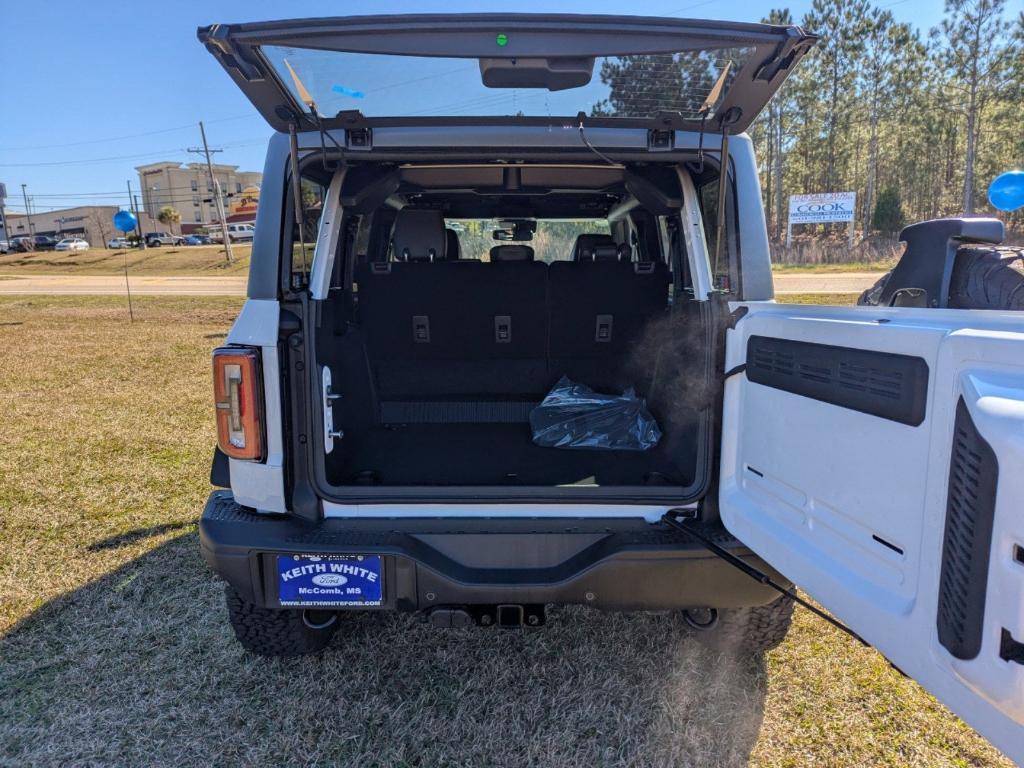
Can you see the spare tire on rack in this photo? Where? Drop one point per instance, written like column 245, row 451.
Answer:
column 984, row 277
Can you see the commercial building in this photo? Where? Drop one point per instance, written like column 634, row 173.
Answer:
column 93, row 223
column 188, row 189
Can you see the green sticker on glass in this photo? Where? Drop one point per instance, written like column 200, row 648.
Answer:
column 501, row 39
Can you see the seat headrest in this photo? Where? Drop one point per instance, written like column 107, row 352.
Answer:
column 418, row 236
column 511, row 253
column 584, row 249
column 452, row 247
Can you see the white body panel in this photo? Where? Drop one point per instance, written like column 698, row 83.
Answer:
column 254, row 484
column 809, row 486
column 650, row 513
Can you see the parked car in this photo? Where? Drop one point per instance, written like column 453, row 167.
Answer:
column 117, row 243
column 154, row 239
column 4, row 246
column 238, row 233
column 72, row 244
column 33, row 243
column 398, row 431
column 198, row 240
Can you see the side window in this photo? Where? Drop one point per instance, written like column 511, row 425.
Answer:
column 312, row 204
column 709, row 213
column 725, row 273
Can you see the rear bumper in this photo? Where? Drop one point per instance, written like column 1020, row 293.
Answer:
column 430, row 562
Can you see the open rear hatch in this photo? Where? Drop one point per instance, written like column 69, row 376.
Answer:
column 507, row 68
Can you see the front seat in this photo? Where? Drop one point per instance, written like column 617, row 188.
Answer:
column 507, row 253
column 452, row 247
column 418, row 235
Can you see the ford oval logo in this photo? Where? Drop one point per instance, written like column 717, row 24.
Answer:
column 329, row 579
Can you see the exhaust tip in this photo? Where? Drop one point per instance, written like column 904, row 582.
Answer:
column 319, row 619
column 701, row 619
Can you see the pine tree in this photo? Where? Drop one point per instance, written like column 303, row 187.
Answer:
column 888, row 214
column 980, row 53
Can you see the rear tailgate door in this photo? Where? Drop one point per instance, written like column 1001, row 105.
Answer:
column 512, row 68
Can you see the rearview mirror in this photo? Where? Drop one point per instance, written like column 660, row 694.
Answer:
column 517, row 230
column 554, row 74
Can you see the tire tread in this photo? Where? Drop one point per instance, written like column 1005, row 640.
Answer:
column 270, row 632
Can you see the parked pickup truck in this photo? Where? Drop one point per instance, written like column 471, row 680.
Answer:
column 238, row 233
column 156, row 239
column 387, row 400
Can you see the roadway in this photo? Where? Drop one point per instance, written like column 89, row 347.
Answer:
column 155, row 285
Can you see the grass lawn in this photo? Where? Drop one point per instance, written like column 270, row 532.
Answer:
column 115, row 650
column 167, row 260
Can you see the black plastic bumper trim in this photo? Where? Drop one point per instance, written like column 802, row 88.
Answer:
column 618, row 564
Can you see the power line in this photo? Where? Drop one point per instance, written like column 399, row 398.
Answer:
column 117, row 138
column 94, row 161
column 116, row 158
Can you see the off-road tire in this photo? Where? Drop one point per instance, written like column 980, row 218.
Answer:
column 273, row 633
column 984, row 277
column 753, row 630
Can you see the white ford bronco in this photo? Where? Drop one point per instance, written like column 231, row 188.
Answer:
column 510, row 342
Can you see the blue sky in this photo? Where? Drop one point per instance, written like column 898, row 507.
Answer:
column 93, row 88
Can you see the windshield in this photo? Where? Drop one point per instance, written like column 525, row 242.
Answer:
column 635, row 86
column 553, row 240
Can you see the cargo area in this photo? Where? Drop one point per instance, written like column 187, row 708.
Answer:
column 443, row 330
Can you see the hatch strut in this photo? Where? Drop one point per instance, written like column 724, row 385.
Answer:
column 705, row 110
column 673, row 518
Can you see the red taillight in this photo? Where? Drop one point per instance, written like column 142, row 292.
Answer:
column 238, row 395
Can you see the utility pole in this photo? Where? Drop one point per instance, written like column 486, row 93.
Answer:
column 217, row 198
column 138, row 219
column 3, row 214
column 28, row 211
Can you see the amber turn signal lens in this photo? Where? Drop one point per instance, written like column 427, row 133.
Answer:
column 238, row 396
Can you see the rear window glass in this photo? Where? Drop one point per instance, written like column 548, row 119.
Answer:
column 631, row 86
column 553, row 240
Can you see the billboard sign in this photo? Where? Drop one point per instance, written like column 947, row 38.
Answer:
column 822, row 208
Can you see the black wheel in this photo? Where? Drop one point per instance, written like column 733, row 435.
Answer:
column 984, row 277
column 278, row 633
column 751, row 630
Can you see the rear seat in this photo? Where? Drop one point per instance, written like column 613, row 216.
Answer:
column 600, row 303
column 439, row 328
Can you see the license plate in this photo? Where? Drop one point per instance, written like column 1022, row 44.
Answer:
column 330, row 580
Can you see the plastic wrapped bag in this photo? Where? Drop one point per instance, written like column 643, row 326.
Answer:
column 575, row 416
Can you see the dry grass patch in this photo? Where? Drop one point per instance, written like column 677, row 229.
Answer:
column 115, row 650
column 195, row 260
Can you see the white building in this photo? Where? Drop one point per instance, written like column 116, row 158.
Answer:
column 189, row 190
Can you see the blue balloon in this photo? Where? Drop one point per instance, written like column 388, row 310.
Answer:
column 1006, row 192
column 125, row 221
